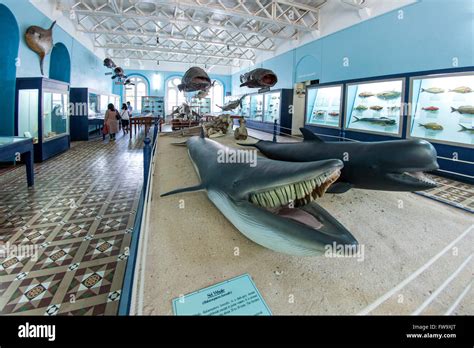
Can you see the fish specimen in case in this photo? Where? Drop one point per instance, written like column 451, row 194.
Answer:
column 361, row 107
column 465, row 109
column 464, row 128
column 376, row 107
column 431, row 126
column 430, row 108
column 462, row 89
column 433, row 90
column 382, row 121
column 389, row 95
column 366, row 94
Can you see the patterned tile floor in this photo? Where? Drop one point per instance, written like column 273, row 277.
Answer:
column 64, row 243
column 455, row 193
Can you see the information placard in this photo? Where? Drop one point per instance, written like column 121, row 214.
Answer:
column 236, row 296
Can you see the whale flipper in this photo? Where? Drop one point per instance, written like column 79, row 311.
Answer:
column 339, row 187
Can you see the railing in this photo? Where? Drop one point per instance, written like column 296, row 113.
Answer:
column 127, row 298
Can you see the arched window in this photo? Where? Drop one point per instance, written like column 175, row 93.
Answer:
column 134, row 94
column 173, row 96
column 217, row 96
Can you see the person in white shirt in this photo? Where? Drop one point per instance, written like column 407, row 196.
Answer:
column 125, row 117
column 130, row 108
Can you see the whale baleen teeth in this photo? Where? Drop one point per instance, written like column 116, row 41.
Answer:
column 301, row 193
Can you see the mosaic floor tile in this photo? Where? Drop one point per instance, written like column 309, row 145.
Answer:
column 77, row 219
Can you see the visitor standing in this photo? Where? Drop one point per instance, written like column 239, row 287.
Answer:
column 125, row 116
column 130, row 108
column 111, row 121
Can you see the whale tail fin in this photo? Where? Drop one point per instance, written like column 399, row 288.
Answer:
column 310, row 136
column 185, row 189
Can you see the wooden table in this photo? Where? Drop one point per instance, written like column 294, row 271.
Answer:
column 13, row 147
column 147, row 121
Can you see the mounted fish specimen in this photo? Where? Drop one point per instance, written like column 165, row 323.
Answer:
column 431, row 126
column 464, row 128
column 462, row 90
column 389, row 95
column 376, row 107
column 466, row 109
column 109, row 63
column 195, row 79
column 430, row 108
column 233, row 104
column 433, row 90
column 185, row 112
column 361, row 107
column 366, row 94
column 40, row 40
column 382, row 121
column 272, row 203
column 333, row 113
column 395, row 165
column 258, row 78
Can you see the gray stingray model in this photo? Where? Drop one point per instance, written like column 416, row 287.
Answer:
column 255, row 199
column 40, row 41
column 233, row 104
column 258, row 78
column 395, row 165
column 195, row 79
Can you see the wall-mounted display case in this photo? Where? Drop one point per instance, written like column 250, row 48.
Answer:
column 256, row 107
column 375, row 107
column 442, row 108
column 42, row 113
column 201, row 106
column 153, row 105
column 272, row 103
column 88, row 111
column 324, row 106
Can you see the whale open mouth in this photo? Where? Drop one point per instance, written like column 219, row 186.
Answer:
column 269, row 80
column 285, row 200
column 421, row 177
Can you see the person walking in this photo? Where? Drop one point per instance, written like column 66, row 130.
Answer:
column 130, row 108
column 111, row 120
column 125, row 117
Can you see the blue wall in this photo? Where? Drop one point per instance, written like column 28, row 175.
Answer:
column 60, row 63
column 10, row 37
column 87, row 69
column 431, row 34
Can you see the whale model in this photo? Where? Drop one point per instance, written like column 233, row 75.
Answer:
column 271, row 202
column 396, row 165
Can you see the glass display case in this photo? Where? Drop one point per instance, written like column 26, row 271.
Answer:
column 256, row 107
column 375, row 107
column 324, row 106
column 201, row 106
column 153, row 105
column 42, row 113
column 93, row 105
column 442, row 108
column 245, row 109
column 272, row 102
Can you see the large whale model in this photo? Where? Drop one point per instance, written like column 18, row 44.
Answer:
column 396, row 165
column 271, row 202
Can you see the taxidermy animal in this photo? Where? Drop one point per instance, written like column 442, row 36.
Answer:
column 119, row 73
column 257, row 199
column 109, row 63
column 195, row 79
column 40, row 41
column 431, row 125
column 395, row 165
column 233, row 104
column 466, row 109
column 218, row 127
column 258, row 78
column 241, row 133
column 382, row 121
column 128, row 82
column 184, row 111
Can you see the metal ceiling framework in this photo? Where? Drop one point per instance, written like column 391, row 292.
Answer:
column 203, row 32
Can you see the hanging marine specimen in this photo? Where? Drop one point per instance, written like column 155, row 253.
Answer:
column 195, row 79
column 233, row 104
column 273, row 202
column 40, row 41
column 395, row 165
column 258, row 78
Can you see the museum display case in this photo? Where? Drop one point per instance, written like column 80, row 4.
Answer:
column 42, row 113
column 201, row 106
column 442, row 108
column 272, row 102
column 88, row 111
column 375, row 106
column 153, row 105
column 256, row 107
column 245, row 109
column 324, row 106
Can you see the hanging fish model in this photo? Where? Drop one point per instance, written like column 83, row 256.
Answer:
column 109, row 63
column 258, row 78
column 40, row 41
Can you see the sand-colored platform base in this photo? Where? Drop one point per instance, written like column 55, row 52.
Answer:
column 194, row 246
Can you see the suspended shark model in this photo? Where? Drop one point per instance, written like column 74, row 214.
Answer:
column 233, row 104
column 258, row 78
column 195, row 79
column 396, row 165
column 271, row 203
column 40, row 40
